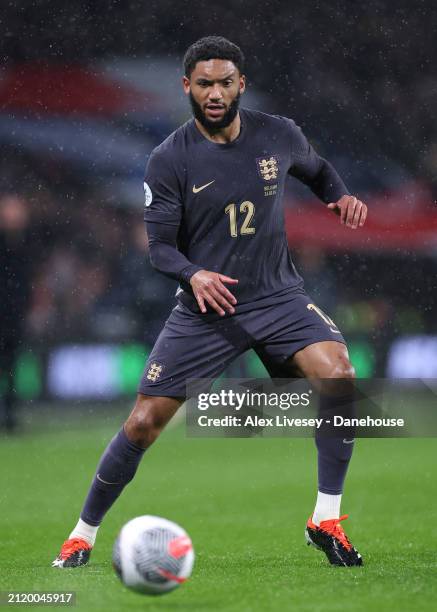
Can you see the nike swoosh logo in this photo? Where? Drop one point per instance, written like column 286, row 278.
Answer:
column 105, row 481
column 348, row 441
column 197, row 189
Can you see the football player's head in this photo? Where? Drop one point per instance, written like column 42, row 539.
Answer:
column 214, row 80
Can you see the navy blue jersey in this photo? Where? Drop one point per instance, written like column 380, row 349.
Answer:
column 219, row 207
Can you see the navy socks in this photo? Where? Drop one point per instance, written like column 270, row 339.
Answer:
column 334, row 454
column 333, row 459
column 116, row 469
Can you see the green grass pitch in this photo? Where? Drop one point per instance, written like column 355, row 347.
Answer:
column 244, row 502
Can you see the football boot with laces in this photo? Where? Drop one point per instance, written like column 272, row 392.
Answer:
column 74, row 552
column 330, row 538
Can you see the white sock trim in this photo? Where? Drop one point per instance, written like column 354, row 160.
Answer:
column 84, row 531
column 327, row 507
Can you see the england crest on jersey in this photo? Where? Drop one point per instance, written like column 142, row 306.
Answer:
column 268, row 167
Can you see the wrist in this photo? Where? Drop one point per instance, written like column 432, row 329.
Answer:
column 188, row 272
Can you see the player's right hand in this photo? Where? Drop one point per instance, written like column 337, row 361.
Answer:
column 208, row 287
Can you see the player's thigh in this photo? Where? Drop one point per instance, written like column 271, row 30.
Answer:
column 302, row 341
column 190, row 346
column 325, row 359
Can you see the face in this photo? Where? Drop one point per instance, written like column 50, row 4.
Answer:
column 214, row 88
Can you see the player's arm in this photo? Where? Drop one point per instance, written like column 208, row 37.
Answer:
column 323, row 180
column 163, row 214
column 208, row 287
column 164, row 255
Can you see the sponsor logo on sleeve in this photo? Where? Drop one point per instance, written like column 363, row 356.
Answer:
column 148, row 197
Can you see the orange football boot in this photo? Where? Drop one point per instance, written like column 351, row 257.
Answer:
column 74, row 552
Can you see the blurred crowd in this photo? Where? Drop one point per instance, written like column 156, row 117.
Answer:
column 74, row 267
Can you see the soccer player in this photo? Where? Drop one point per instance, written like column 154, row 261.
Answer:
column 215, row 222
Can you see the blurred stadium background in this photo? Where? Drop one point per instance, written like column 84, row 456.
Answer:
column 88, row 89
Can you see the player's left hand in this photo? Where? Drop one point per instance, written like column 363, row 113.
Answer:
column 352, row 211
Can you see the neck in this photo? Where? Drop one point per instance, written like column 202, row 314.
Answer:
column 222, row 135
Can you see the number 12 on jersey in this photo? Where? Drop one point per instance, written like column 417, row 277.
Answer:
column 247, row 208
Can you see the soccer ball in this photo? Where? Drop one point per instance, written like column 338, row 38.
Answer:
column 152, row 555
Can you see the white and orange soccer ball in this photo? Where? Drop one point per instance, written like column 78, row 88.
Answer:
column 153, row 555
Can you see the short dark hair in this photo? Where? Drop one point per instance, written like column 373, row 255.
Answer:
column 212, row 47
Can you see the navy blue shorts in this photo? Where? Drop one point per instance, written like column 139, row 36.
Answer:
column 194, row 345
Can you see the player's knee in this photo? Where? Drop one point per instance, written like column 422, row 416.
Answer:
column 341, row 367
column 144, row 424
column 142, row 429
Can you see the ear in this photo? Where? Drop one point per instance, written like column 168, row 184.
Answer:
column 186, row 85
column 242, row 83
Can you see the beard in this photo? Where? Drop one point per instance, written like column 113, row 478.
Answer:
column 213, row 126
